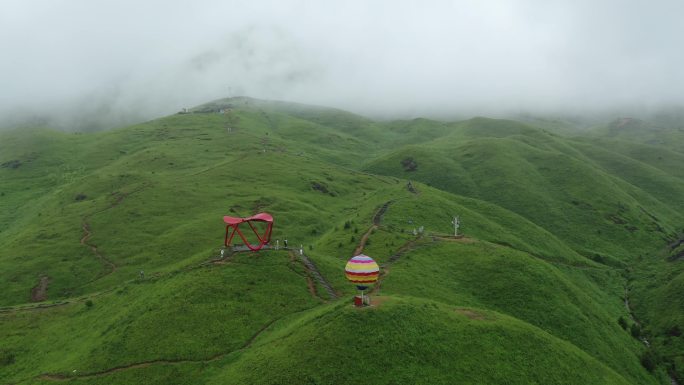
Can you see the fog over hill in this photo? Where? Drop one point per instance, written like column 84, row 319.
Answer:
column 85, row 65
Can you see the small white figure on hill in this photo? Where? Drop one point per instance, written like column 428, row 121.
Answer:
column 222, row 250
column 142, row 274
column 301, row 249
column 277, row 244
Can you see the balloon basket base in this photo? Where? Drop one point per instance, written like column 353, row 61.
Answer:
column 361, row 301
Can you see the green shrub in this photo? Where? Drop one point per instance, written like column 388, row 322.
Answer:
column 649, row 360
column 622, row 322
column 6, row 358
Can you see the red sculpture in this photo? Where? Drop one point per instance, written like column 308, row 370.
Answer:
column 234, row 223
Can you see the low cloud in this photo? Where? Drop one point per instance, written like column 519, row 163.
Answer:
column 90, row 65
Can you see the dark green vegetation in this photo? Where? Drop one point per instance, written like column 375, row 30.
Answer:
column 560, row 231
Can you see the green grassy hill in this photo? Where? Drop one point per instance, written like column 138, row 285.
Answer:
column 556, row 230
column 580, row 193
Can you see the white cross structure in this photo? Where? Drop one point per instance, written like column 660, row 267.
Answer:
column 457, row 223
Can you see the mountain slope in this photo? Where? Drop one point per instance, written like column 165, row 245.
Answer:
column 532, row 294
column 552, row 182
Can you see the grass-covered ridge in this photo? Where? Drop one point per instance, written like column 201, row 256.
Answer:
column 555, row 229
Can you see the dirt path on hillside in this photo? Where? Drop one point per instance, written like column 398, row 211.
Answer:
column 144, row 364
column 362, row 242
column 137, row 365
column 410, row 245
column 447, row 238
column 84, row 241
column 88, row 232
column 43, row 306
column 377, row 218
column 39, row 292
column 214, row 261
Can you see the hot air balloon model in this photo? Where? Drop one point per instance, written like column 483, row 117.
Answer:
column 362, row 271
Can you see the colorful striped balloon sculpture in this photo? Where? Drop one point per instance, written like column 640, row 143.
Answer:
column 362, row 271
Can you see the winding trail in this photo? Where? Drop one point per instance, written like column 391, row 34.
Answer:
column 144, row 364
column 377, row 218
column 39, row 292
column 87, row 231
column 39, row 306
column 410, row 245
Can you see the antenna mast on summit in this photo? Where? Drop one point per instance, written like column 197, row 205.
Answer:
column 457, row 223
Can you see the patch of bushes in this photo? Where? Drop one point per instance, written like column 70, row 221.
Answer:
column 649, row 361
column 11, row 164
column 409, row 164
column 6, row 358
column 622, row 322
column 322, row 187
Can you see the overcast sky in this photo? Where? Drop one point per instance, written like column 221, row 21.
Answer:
column 125, row 60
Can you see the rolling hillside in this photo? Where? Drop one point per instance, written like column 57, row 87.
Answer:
column 558, row 231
